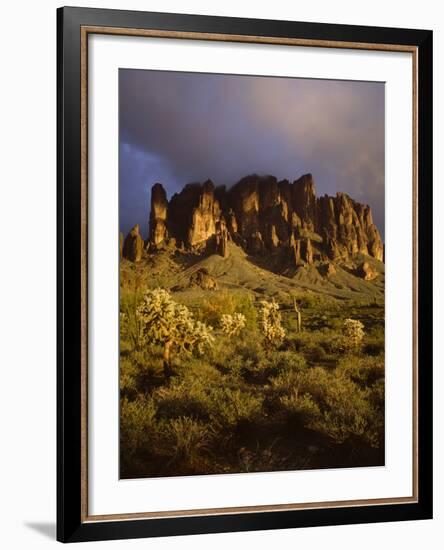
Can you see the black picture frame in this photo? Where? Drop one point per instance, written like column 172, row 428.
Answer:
column 71, row 525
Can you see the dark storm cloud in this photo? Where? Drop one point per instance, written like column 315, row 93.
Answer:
column 181, row 127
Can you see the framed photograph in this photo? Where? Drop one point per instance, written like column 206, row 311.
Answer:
column 244, row 274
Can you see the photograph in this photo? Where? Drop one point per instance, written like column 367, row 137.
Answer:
column 252, row 273
column 244, row 273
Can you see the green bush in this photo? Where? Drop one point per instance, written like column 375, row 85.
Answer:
column 185, row 440
column 346, row 412
column 138, row 429
column 246, row 358
column 224, row 302
column 285, row 382
column 233, row 406
column 315, row 352
column 244, row 407
column 249, row 361
column 180, row 399
column 334, row 404
column 309, row 300
column 377, row 394
column 130, row 325
column 364, row 371
column 301, row 408
column 128, row 377
column 318, row 345
column 315, row 381
column 283, row 361
column 220, row 403
column 138, row 371
column 374, row 344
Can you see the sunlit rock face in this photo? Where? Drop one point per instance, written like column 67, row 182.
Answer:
column 158, row 215
column 133, row 245
column 264, row 215
column 347, row 228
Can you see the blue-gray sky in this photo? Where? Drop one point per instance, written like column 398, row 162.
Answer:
column 177, row 128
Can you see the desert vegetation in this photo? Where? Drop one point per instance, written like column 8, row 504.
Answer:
column 239, row 379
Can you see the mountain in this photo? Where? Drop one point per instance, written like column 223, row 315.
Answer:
column 263, row 235
column 259, row 233
column 263, row 216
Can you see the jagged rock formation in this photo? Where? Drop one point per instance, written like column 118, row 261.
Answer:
column 328, row 269
column 158, row 215
column 203, row 279
column 263, row 216
column 302, row 250
column 222, row 238
column 367, row 272
column 133, row 245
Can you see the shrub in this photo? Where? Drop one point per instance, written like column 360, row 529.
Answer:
column 138, row 427
column 302, row 408
column 315, row 352
column 332, row 403
column 374, row 344
column 377, row 396
column 185, row 439
column 242, row 406
column 285, row 361
column 128, row 377
column 234, row 406
column 246, row 358
column 284, row 383
column 140, row 372
column 130, row 325
column 314, row 300
column 199, row 370
column 364, row 371
column 316, row 381
column 285, row 368
column 345, row 412
column 317, row 345
column 224, row 302
column 183, row 398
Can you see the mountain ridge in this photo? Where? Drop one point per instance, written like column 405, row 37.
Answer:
column 261, row 215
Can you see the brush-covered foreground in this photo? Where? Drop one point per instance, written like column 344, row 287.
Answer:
column 312, row 400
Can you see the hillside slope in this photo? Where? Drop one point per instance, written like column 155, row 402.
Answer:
column 174, row 270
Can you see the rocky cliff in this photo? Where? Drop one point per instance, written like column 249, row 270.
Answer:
column 263, row 216
column 132, row 246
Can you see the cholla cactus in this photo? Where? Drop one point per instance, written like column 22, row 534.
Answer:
column 270, row 320
column 172, row 325
column 232, row 324
column 353, row 332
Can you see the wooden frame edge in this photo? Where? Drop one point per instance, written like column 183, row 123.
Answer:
column 84, row 270
column 200, row 512
column 253, row 39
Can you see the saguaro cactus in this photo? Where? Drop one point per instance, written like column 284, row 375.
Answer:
column 298, row 315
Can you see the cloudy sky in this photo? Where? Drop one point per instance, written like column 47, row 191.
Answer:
column 177, row 128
